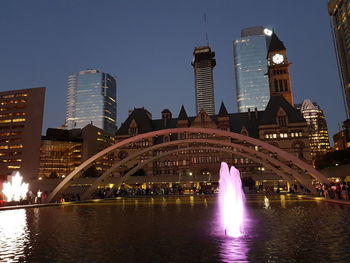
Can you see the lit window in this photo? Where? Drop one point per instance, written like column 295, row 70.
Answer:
column 21, row 94
column 16, row 146
column 13, row 167
column 5, row 121
column 8, row 96
column 18, row 120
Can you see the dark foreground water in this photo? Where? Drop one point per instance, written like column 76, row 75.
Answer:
column 277, row 229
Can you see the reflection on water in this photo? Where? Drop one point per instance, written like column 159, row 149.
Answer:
column 13, row 235
column 176, row 229
column 266, row 202
column 283, row 201
column 234, row 249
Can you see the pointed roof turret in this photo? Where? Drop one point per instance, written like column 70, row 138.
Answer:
column 276, row 44
column 223, row 111
column 182, row 114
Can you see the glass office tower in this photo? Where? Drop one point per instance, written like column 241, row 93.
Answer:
column 250, row 65
column 91, row 100
column 339, row 10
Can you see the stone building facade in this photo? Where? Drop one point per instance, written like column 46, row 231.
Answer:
column 280, row 124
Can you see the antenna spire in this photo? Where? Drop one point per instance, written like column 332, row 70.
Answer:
column 206, row 29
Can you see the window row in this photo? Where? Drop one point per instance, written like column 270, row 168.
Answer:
column 283, row 135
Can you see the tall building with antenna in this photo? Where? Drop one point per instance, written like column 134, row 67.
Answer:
column 203, row 64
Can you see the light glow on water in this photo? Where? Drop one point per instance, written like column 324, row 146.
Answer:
column 231, row 201
column 13, row 235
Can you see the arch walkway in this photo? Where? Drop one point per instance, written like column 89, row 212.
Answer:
column 284, row 164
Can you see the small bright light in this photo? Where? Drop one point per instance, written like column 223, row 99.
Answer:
column 15, row 190
column 336, row 164
column 267, row 32
column 337, row 180
column 40, row 178
column 190, row 173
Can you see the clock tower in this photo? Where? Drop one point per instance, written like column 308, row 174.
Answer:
column 278, row 70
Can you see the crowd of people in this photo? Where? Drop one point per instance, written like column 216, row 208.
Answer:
column 138, row 191
column 31, row 198
column 338, row 190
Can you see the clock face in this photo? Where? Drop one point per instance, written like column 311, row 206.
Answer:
column 277, row 58
column 267, row 32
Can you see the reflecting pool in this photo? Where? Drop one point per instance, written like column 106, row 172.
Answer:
column 176, row 229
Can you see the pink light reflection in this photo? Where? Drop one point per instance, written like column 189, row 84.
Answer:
column 231, row 201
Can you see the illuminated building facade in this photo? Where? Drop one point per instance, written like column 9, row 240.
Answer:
column 339, row 10
column 21, row 117
column 203, row 63
column 60, row 153
column 203, row 165
column 319, row 139
column 91, row 99
column 63, row 150
column 250, row 66
column 342, row 138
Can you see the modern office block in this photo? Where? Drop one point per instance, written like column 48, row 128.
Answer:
column 91, row 99
column 339, row 10
column 250, row 66
column 21, row 118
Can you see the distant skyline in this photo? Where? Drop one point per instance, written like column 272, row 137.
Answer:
column 147, row 46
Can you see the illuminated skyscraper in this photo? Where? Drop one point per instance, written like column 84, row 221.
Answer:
column 91, row 99
column 339, row 10
column 203, row 64
column 250, row 65
column 318, row 136
column 21, row 121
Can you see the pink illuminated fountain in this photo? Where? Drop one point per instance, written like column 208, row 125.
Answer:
column 231, row 201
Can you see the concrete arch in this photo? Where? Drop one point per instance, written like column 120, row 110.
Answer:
column 283, row 175
column 139, row 166
column 263, row 158
column 212, row 132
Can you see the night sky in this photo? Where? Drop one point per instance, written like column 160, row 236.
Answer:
column 148, row 45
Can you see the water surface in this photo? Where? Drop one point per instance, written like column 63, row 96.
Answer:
column 176, row 229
